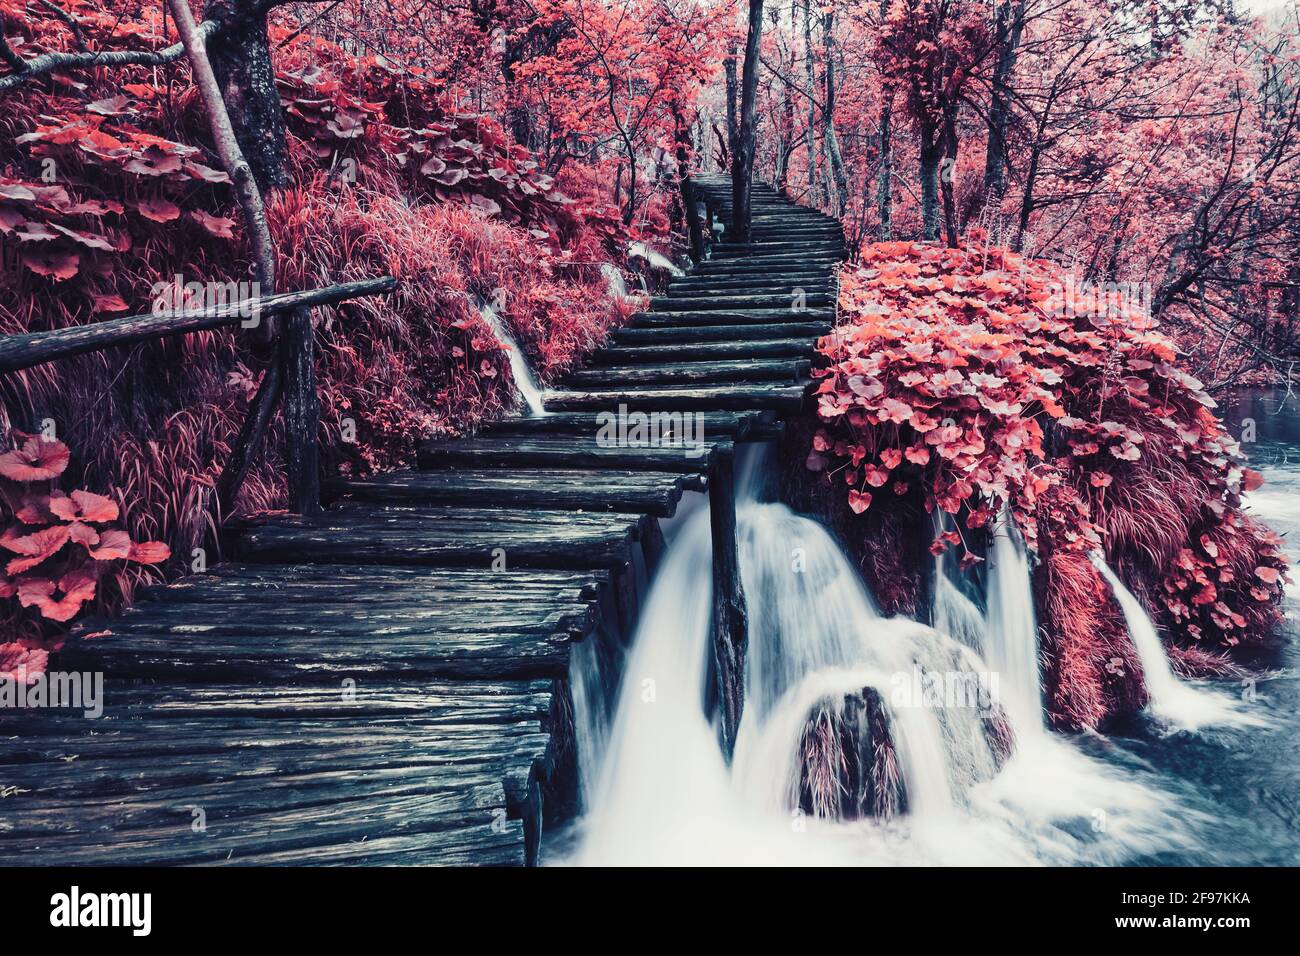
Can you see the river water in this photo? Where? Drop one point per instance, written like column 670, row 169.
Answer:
column 1244, row 782
column 1154, row 791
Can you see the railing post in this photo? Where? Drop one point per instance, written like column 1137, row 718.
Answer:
column 730, row 620
column 301, row 412
column 693, row 226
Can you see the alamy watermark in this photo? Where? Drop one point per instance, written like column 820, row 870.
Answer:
column 1076, row 297
column 241, row 297
column 624, row 429
column 70, row 690
column 973, row 690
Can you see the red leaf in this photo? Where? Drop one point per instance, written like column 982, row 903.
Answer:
column 150, row 552
column 37, row 459
column 22, row 663
column 35, row 547
column 113, row 545
column 159, row 210
column 51, row 262
column 219, row 226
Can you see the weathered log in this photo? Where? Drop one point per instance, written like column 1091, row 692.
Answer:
column 781, row 398
column 35, row 348
column 634, row 492
column 697, row 372
column 722, row 333
column 730, row 625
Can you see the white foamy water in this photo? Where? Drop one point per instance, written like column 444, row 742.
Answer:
column 1011, row 647
column 1182, row 705
column 665, row 793
column 525, row 382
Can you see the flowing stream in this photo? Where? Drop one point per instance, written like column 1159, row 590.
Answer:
column 662, row 792
column 525, row 381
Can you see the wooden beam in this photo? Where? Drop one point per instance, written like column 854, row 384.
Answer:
column 18, row 352
column 730, row 619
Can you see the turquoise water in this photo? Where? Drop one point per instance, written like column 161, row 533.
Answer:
column 1242, row 785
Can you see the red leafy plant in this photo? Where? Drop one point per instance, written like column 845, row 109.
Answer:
column 60, row 544
column 956, row 375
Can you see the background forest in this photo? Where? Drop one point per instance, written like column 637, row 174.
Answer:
column 517, row 154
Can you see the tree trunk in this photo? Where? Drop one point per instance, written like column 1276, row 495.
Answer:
column 810, row 71
column 1009, row 24
column 733, row 121
column 683, row 146
column 885, row 175
column 828, row 118
column 742, row 162
column 241, row 61
column 948, row 172
column 931, row 153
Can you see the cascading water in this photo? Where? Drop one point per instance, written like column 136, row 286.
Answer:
column 525, row 383
column 664, row 792
column 952, row 611
column 1011, row 635
column 1171, row 700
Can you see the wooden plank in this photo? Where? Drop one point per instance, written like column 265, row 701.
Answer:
column 748, row 349
column 473, row 538
column 779, row 398
column 578, row 489
column 694, row 372
column 566, row 452
column 796, row 327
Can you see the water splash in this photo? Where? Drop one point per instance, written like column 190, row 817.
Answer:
column 1172, row 701
column 525, row 382
column 1011, row 640
column 657, row 260
column 665, row 793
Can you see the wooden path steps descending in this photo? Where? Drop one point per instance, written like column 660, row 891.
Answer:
column 387, row 682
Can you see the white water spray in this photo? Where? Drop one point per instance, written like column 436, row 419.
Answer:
column 1171, row 700
column 525, row 383
column 1011, row 638
column 665, row 793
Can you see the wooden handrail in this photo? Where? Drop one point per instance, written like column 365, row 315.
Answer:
column 18, row 352
column 291, row 372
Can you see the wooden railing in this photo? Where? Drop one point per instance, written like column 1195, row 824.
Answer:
column 290, row 372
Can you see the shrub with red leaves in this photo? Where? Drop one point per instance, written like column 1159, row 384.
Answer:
column 109, row 191
column 959, row 374
column 62, row 545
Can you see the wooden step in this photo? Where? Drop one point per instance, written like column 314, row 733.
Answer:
column 569, row 452
column 456, row 537
column 632, row 492
column 725, row 333
column 753, row 349
column 693, row 373
column 788, row 398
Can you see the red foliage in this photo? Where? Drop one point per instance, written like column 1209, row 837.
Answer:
column 963, row 372
column 110, row 202
column 63, row 544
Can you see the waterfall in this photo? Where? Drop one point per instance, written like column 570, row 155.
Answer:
column 664, row 792
column 952, row 612
column 1011, row 644
column 1170, row 699
column 657, row 260
column 525, row 383
column 614, row 283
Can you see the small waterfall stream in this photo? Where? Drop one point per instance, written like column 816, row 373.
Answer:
column 1176, row 703
column 1011, row 647
column 525, row 382
column 664, row 792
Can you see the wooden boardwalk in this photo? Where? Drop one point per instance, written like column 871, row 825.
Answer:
column 387, row 682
